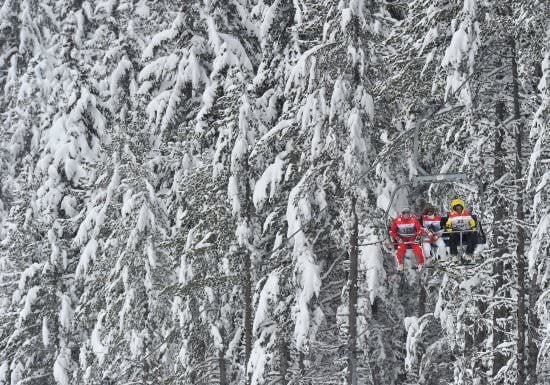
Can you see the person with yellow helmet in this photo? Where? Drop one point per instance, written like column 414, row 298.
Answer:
column 462, row 228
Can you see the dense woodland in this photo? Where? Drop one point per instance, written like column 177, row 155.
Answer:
column 198, row 192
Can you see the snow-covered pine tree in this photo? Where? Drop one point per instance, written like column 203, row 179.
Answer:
column 195, row 111
column 538, row 180
column 127, row 320
column 9, row 71
column 482, row 63
column 509, row 46
column 537, row 63
column 126, row 123
column 326, row 148
column 60, row 134
column 172, row 84
column 429, row 79
column 15, row 140
column 125, row 324
column 271, row 169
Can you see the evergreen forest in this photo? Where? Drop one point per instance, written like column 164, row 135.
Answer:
column 199, row 192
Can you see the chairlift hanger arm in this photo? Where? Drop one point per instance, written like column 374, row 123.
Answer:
column 423, row 176
column 424, row 116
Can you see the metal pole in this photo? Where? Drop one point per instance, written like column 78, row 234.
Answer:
column 416, row 145
column 423, row 175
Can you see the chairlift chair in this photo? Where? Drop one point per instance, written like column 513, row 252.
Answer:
column 423, row 177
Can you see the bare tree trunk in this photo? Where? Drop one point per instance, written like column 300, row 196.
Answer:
column 284, row 359
column 499, row 240
column 301, row 364
column 422, row 297
column 145, row 360
column 532, row 332
column 520, row 217
column 221, row 360
column 534, row 293
column 247, row 212
column 247, row 282
column 353, row 274
column 480, row 334
column 469, row 336
column 521, row 313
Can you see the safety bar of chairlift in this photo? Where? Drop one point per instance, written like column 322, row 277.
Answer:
column 461, row 231
column 453, row 232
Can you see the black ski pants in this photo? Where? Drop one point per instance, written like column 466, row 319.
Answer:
column 468, row 238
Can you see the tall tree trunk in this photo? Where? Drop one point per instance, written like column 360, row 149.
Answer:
column 352, row 313
column 146, row 367
column 480, row 334
column 532, row 332
column 284, row 359
column 247, row 282
column 499, row 240
column 534, row 293
column 422, row 297
column 301, row 365
column 520, row 217
column 247, row 212
column 221, row 359
column 469, row 336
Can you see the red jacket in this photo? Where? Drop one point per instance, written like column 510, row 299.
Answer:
column 432, row 220
column 406, row 228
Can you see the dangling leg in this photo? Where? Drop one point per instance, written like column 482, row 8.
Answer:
column 441, row 249
column 426, row 249
column 401, row 250
column 418, row 252
column 453, row 242
column 471, row 240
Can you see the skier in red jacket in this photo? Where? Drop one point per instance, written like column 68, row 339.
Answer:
column 407, row 231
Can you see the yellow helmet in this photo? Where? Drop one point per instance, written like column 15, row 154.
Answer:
column 458, row 202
